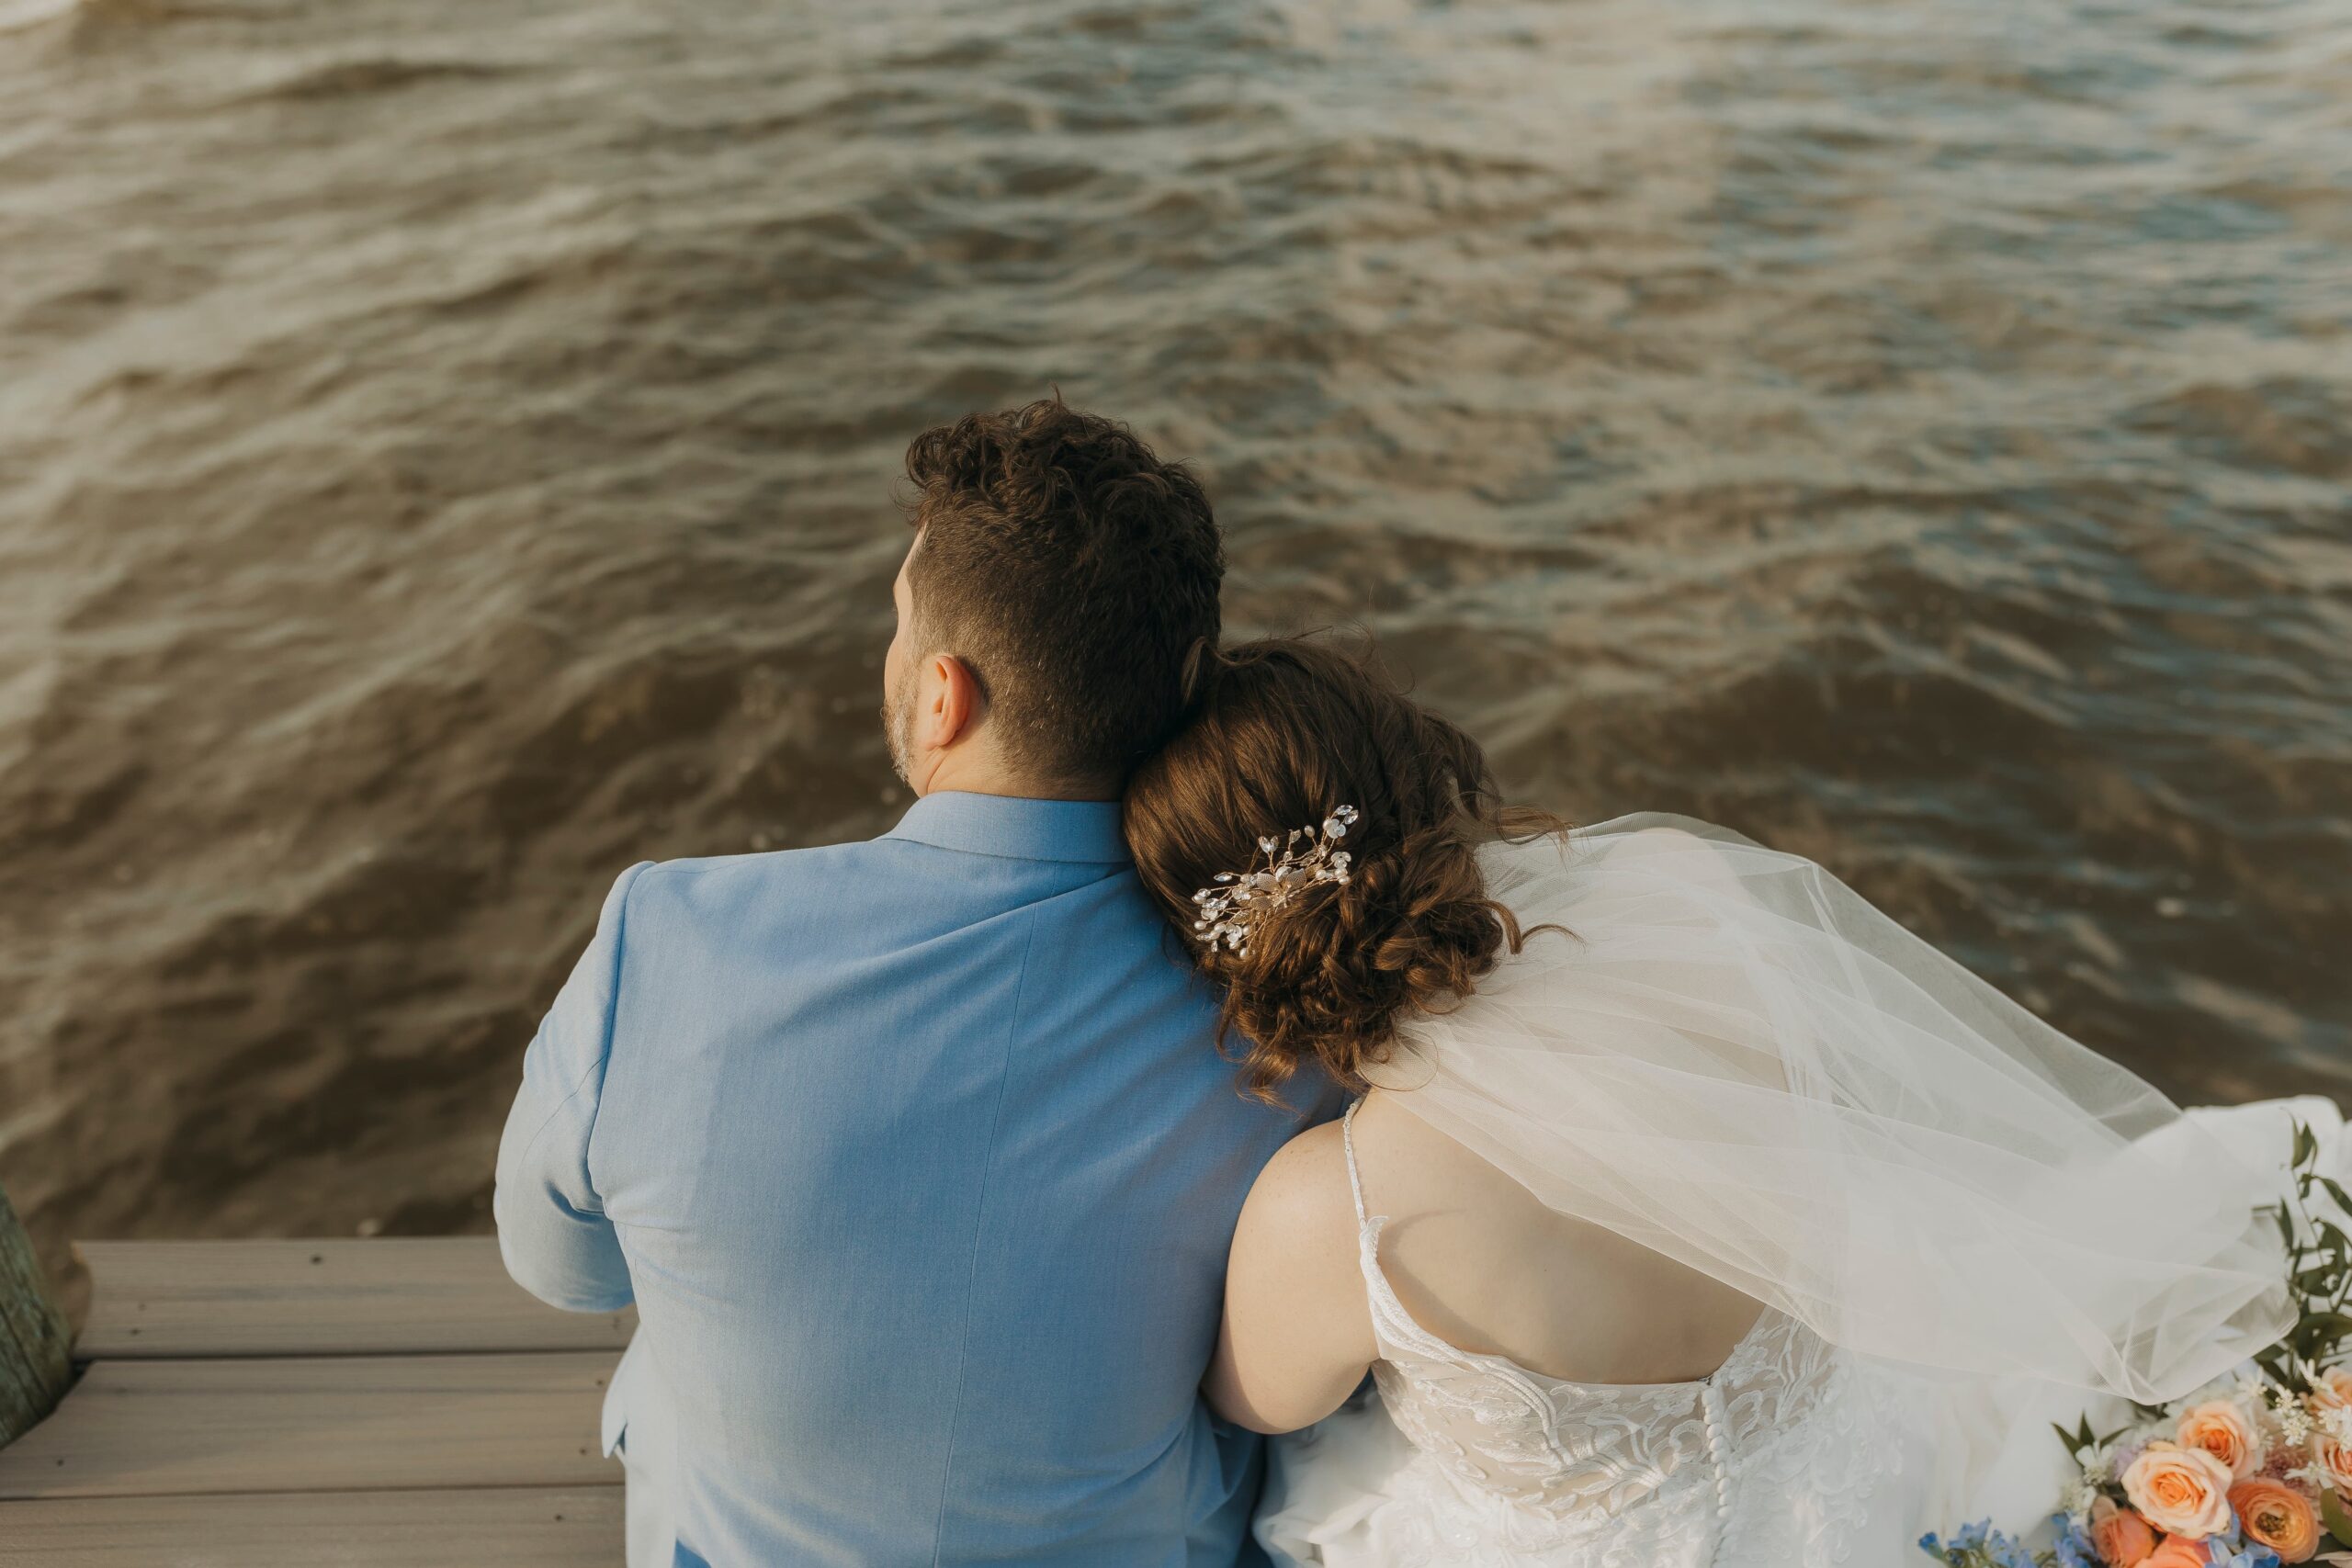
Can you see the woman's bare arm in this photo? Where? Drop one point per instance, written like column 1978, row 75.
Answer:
column 1297, row 1333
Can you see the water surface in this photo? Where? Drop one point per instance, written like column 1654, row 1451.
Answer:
column 447, row 450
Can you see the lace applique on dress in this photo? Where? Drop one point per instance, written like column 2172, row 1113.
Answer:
column 1770, row 1459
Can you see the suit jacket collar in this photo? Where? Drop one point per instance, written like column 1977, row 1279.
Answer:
column 1017, row 827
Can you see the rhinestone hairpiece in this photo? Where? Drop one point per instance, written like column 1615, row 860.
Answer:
column 1233, row 906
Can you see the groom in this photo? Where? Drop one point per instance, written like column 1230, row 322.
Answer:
column 917, row 1156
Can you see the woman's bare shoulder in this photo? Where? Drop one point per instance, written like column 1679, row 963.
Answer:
column 1303, row 1196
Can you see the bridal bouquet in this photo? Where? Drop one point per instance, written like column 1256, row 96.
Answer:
column 2250, row 1473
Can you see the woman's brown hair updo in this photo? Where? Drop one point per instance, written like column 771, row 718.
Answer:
column 1284, row 731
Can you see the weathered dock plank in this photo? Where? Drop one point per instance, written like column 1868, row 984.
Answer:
column 350, row 1423
column 183, row 1300
column 511, row 1526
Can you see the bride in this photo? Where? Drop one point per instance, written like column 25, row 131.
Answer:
column 1690, row 1211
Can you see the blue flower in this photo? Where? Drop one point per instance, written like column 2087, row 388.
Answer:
column 2249, row 1557
column 1979, row 1545
column 2074, row 1547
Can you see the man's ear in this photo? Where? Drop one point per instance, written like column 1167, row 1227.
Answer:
column 951, row 706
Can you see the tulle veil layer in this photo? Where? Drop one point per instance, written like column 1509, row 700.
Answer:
column 1733, row 1058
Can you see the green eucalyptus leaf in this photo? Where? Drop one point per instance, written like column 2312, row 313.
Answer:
column 2331, row 1514
column 2336, row 1191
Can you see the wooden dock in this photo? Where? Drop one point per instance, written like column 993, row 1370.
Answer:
column 387, row 1404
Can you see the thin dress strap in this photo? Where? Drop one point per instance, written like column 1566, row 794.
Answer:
column 1392, row 1326
column 1348, row 1145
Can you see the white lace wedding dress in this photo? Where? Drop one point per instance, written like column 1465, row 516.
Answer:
column 1473, row 1460
column 1962, row 1224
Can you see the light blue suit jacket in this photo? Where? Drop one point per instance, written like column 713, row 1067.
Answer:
column 920, row 1163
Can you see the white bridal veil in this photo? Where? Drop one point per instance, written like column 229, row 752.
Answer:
column 1737, row 1060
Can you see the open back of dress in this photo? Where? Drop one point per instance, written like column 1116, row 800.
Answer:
column 1771, row 1458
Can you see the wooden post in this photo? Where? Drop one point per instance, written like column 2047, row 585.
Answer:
column 33, row 1368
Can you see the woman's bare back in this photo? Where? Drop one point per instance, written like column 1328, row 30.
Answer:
column 1481, row 1263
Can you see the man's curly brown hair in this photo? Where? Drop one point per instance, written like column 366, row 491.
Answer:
column 1286, row 731
column 1076, row 575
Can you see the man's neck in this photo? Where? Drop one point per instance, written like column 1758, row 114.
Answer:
column 978, row 775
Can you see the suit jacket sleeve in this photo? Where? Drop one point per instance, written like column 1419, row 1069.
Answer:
column 551, row 1226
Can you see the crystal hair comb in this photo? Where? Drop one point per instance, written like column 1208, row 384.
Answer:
column 1230, row 910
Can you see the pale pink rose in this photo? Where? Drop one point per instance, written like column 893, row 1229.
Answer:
column 2121, row 1537
column 2332, row 1390
column 2334, row 1459
column 2177, row 1552
column 2220, row 1429
column 2185, row 1492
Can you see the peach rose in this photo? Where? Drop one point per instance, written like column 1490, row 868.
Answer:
column 2121, row 1537
column 2174, row 1553
column 2335, row 1460
column 2184, row 1491
column 2220, row 1429
column 2332, row 1390
column 2277, row 1516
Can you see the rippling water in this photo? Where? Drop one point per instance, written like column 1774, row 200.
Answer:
column 446, row 452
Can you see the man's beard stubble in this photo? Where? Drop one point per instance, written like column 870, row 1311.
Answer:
column 898, row 730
